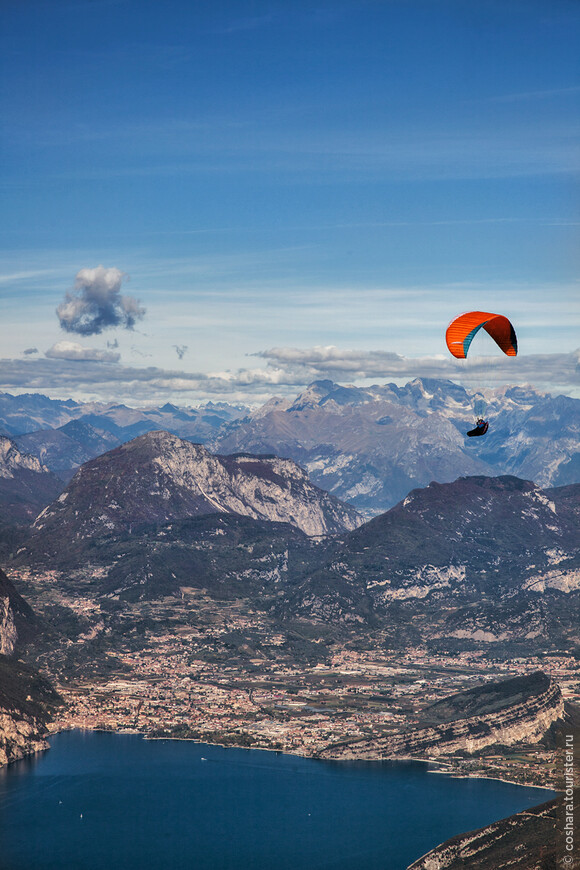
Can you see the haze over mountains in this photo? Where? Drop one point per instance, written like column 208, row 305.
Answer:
column 65, row 434
column 367, row 446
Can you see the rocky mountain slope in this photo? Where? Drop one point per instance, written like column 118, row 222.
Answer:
column 530, row 840
column 479, row 540
column 27, row 703
column 26, row 486
column 477, row 562
column 370, row 446
column 158, row 478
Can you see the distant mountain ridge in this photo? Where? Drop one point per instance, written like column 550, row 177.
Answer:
column 30, row 412
column 65, row 434
column 371, row 446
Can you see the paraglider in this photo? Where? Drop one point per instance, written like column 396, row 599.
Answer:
column 461, row 332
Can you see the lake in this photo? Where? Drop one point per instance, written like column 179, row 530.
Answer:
column 101, row 801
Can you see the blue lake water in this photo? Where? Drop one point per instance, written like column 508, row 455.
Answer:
column 99, row 801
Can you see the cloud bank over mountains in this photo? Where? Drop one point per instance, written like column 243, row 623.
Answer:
column 337, row 364
column 71, row 370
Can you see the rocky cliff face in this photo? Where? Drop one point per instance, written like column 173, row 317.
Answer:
column 158, row 478
column 20, row 736
column 12, row 460
column 17, row 621
column 26, row 699
column 26, row 705
column 8, row 632
column 518, row 715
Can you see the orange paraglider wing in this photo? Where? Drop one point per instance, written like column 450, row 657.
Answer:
column 461, row 331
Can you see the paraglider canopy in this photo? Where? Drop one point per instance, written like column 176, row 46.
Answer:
column 461, row 331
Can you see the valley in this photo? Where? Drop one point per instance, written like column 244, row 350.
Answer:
column 223, row 671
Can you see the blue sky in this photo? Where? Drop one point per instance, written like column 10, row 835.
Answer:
column 281, row 191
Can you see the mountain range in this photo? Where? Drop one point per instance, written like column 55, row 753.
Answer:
column 480, row 561
column 371, row 446
column 367, row 446
column 498, row 560
column 65, row 434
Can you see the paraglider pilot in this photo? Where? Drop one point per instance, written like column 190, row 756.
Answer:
column 481, row 427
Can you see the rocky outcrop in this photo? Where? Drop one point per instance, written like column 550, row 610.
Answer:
column 27, row 702
column 8, row 632
column 26, row 699
column 17, row 621
column 513, row 720
column 12, row 460
column 19, row 736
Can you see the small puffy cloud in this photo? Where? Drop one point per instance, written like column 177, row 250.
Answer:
column 30, row 351
column 180, row 350
column 70, row 350
column 96, row 303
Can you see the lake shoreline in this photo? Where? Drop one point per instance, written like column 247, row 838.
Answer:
column 438, row 767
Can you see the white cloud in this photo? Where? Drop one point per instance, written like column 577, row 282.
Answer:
column 70, row 350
